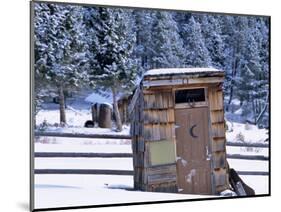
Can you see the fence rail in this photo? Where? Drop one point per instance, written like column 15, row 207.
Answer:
column 125, row 155
column 84, row 171
column 119, row 172
column 120, row 136
column 240, row 144
column 259, row 173
column 81, row 135
column 81, row 155
column 246, row 157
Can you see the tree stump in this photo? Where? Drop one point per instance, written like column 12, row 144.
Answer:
column 105, row 115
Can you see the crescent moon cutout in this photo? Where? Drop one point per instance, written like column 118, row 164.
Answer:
column 191, row 131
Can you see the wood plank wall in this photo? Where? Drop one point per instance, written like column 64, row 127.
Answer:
column 153, row 121
column 218, row 140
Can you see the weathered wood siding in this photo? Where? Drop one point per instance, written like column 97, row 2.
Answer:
column 153, row 121
column 218, row 140
column 138, row 144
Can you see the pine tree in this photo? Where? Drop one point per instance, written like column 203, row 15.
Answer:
column 211, row 31
column 73, row 42
column 166, row 44
column 59, row 47
column 253, row 89
column 197, row 54
column 246, row 63
column 235, row 30
column 89, row 21
column 114, row 69
column 40, row 24
column 227, row 24
column 262, row 37
column 143, row 52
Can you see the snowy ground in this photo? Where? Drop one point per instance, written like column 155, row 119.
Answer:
column 71, row 190
column 239, row 132
column 77, row 190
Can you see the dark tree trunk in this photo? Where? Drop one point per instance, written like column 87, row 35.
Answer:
column 62, row 106
column 230, row 97
column 263, row 110
column 254, row 111
column 116, row 110
column 125, row 111
column 233, row 74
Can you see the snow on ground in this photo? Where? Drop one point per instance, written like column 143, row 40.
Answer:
column 73, row 118
column 84, row 163
column 259, row 183
column 49, row 189
column 239, row 132
column 79, row 190
column 78, row 111
column 245, row 133
column 248, row 165
column 247, row 150
column 48, row 144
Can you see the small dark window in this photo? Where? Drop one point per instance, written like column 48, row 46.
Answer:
column 190, row 95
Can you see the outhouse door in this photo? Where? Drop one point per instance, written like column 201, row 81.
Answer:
column 193, row 158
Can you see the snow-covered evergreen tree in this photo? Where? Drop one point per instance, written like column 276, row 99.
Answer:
column 235, row 31
column 114, row 70
column 89, row 20
column 262, row 37
column 143, row 51
column 253, row 83
column 211, row 31
column 197, row 54
column 72, row 43
column 40, row 25
column 246, row 64
column 166, row 44
column 59, row 47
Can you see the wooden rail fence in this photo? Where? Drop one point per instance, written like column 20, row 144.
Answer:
column 125, row 155
column 120, row 136
column 81, row 155
column 117, row 172
column 84, row 171
column 246, row 157
column 81, row 135
column 240, row 144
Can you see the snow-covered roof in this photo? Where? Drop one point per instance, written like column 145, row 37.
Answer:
column 103, row 97
column 180, row 71
column 99, row 98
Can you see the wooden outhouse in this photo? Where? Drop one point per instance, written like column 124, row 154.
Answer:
column 178, row 131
